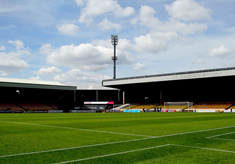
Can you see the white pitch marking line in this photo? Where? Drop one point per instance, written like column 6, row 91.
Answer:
column 227, row 151
column 91, row 130
column 78, row 147
column 107, row 155
column 152, row 137
column 223, row 139
column 169, row 135
column 220, row 135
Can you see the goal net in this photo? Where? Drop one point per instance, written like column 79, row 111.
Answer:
column 177, row 105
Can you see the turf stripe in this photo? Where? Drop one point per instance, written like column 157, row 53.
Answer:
column 169, row 135
column 227, row 151
column 223, row 139
column 90, row 130
column 149, row 137
column 70, row 148
column 107, row 155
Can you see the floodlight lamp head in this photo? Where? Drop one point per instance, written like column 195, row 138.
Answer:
column 114, row 39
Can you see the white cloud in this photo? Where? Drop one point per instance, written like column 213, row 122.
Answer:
column 18, row 44
column 94, row 8
column 104, row 43
column 183, row 28
column 123, row 44
column 154, row 42
column 79, row 2
column 4, row 74
column 29, row 12
column 10, row 61
column 139, row 67
column 2, row 48
column 120, row 12
column 8, row 8
column 199, row 61
column 35, row 78
column 68, row 29
column 86, row 57
column 222, row 51
column 48, row 71
column 107, row 25
column 91, row 86
column 147, row 19
column 188, row 10
column 76, row 76
column 134, row 21
column 148, row 44
column 162, row 34
column 46, row 49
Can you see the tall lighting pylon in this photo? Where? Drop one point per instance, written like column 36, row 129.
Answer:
column 114, row 41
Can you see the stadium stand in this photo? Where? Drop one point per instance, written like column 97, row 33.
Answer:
column 20, row 95
column 191, row 86
column 140, row 106
column 54, row 106
column 145, row 106
column 212, row 105
column 35, row 106
column 10, row 106
column 176, row 107
column 144, row 92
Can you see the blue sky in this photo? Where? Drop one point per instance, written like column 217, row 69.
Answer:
column 69, row 40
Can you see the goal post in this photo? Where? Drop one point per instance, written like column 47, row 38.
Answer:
column 177, row 105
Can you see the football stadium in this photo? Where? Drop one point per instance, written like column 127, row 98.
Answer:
column 172, row 101
column 182, row 117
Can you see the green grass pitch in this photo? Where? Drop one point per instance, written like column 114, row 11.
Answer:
column 142, row 138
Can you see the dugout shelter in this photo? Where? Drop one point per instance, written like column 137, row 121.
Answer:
column 98, row 96
column 210, row 85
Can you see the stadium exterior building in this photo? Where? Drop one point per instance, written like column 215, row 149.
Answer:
column 210, row 85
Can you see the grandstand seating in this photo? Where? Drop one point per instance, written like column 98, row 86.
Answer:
column 176, row 107
column 141, row 106
column 35, row 106
column 199, row 106
column 144, row 106
column 131, row 106
column 11, row 106
column 30, row 106
column 53, row 106
column 211, row 105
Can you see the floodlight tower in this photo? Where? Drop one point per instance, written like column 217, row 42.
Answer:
column 114, row 41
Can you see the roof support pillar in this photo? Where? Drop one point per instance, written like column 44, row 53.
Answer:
column 160, row 97
column 97, row 95
column 74, row 97
column 123, row 97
